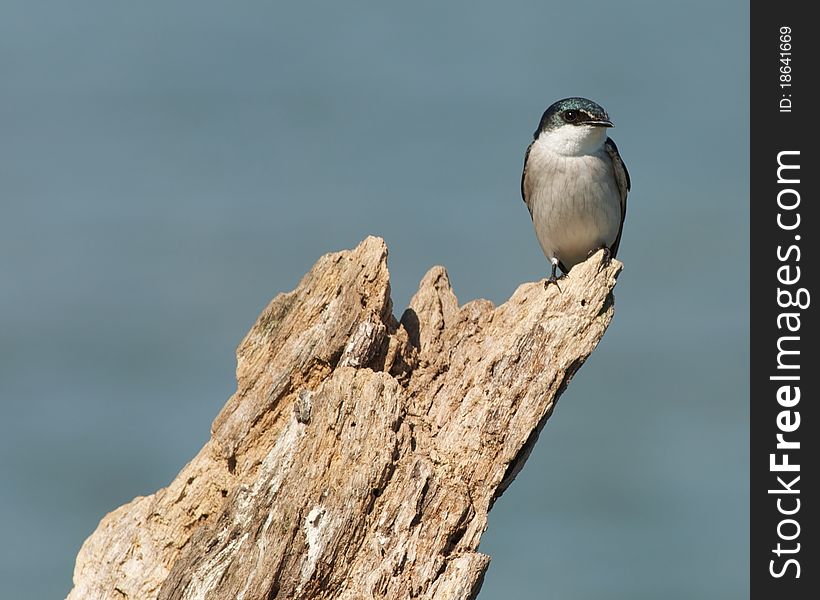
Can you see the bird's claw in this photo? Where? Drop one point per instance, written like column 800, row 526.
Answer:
column 607, row 253
column 549, row 280
column 605, row 260
column 553, row 276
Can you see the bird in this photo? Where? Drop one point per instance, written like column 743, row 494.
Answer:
column 575, row 184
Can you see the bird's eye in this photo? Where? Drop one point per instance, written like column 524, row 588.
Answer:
column 570, row 116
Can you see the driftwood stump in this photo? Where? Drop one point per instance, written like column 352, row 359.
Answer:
column 360, row 455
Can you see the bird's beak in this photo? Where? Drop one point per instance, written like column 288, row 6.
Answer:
column 601, row 123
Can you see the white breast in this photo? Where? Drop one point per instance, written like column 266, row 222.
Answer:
column 573, row 195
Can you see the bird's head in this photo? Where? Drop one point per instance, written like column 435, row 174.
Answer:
column 573, row 127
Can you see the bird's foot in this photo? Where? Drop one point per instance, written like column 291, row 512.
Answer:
column 607, row 253
column 552, row 279
column 553, row 275
column 605, row 260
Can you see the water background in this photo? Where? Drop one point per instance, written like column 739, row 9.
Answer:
column 167, row 168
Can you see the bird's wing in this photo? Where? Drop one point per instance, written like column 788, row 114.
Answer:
column 524, row 178
column 624, row 185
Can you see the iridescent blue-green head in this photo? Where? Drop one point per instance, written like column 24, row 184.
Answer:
column 576, row 112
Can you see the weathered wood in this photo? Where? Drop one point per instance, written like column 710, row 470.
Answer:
column 359, row 456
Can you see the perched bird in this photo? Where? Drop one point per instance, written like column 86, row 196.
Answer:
column 575, row 184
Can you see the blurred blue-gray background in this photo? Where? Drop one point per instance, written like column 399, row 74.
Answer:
column 168, row 167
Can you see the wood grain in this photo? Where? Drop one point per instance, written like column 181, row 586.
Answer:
column 360, row 455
